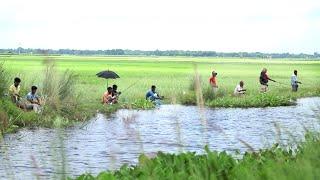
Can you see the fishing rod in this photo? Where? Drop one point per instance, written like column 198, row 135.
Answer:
column 130, row 86
column 283, row 84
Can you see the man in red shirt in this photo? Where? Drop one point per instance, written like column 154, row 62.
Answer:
column 264, row 79
column 213, row 82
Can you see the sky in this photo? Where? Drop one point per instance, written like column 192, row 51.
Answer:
column 218, row 25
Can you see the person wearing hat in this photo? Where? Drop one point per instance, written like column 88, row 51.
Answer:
column 213, row 81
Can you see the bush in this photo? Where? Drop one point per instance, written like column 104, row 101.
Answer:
column 193, row 82
column 4, row 121
column 142, row 104
column 58, row 91
column 188, row 98
column 66, row 86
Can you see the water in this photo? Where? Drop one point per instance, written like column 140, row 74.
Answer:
column 107, row 143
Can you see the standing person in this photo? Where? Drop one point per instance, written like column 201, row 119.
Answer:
column 33, row 100
column 239, row 90
column 14, row 91
column 213, row 81
column 152, row 96
column 264, row 79
column 294, row 81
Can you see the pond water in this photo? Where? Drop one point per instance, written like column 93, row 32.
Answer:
column 107, row 143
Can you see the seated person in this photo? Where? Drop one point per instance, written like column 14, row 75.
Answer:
column 239, row 90
column 107, row 97
column 33, row 100
column 14, row 91
column 153, row 96
column 115, row 93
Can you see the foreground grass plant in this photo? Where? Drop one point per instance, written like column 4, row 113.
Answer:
column 302, row 162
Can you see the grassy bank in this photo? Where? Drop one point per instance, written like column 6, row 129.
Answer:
column 75, row 75
column 225, row 98
column 274, row 163
column 63, row 104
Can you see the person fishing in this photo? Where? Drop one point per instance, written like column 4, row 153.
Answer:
column 213, row 82
column 14, row 92
column 153, row 96
column 33, row 100
column 239, row 90
column 264, row 79
column 107, row 97
column 115, row 93
column 294, row 81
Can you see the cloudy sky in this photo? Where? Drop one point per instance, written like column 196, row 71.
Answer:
column 224, row 25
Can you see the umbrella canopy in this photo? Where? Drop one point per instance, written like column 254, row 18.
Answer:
column 108, row 75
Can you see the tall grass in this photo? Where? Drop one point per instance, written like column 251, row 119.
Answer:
column 59, row 90
column 4, row 121
column 50, row 85
column 200, row 92
column 4, row 80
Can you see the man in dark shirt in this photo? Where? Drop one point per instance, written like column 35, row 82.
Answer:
column 264, row 79
column 115, row 93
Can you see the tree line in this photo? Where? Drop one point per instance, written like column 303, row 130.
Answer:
column 126, row 52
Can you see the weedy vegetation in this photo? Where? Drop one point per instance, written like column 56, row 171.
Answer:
column 302, row 162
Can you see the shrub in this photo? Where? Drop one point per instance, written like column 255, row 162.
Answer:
column 188, row 98
column 4, row 121
column 59, row 91
column 142, row 104
column 66, row 85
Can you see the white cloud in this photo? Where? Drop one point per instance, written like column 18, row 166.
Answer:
column 230, row 25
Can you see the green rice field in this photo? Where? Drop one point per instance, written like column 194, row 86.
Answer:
column 173, row 76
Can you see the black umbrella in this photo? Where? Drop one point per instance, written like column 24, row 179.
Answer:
column 108, row 75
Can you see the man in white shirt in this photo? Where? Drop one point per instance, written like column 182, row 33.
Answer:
column 294, row 81
column 33, row 100
column 239, row 90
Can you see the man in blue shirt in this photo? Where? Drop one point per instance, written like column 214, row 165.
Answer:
column 153, row 96
column 294, row 81
column 33, row 100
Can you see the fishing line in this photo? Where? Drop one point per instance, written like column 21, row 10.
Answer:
column 131, row 85
column 283, row 84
